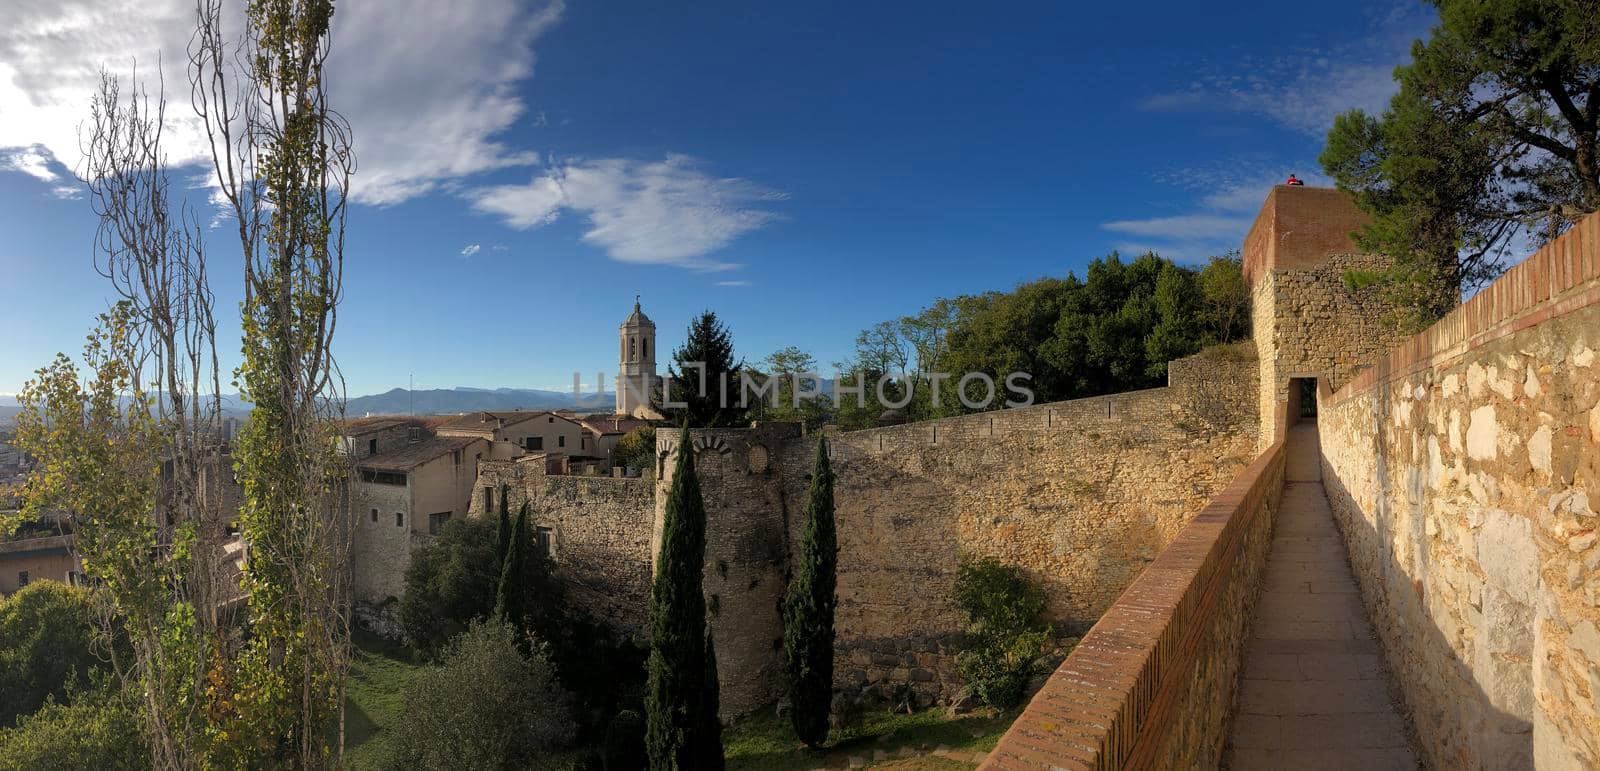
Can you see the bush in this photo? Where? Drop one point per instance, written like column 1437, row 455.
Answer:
column 486, row 705
column 637, row 449
column 1004, row 633
column 93, row 732
column 623, row 749
column 450, row 583
column 45, row 634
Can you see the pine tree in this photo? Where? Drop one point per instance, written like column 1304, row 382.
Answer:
column 808, row 610
column 679, row 691
column 706, row 342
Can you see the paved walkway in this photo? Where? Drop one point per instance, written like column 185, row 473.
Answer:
column 1314, row 692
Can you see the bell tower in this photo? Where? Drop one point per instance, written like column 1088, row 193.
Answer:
column 636, row 363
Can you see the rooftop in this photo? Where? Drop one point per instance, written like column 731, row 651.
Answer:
column 416, row 453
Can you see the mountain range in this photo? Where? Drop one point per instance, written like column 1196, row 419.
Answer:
column 433, row 401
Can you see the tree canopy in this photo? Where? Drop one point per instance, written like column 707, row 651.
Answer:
column 1490, row 143
column 707, row 352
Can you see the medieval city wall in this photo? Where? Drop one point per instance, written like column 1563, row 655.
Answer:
column 1081, row 495
column 1463, row 470
column 599, row 533
column 379, row 549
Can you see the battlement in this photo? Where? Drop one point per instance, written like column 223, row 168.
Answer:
column 1298, row 228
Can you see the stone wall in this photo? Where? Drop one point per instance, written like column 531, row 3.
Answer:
column 1150, row 686
column 1082, row 495
column 1463, row 470
column 599, row 533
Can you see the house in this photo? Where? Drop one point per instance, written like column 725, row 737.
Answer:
column 51, row 558
column 513, row 433
column 401, row 496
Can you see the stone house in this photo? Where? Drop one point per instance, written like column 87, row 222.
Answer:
column 51, row 558
column 404, row 495
column 513, row 433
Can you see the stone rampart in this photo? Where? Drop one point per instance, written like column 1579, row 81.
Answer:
column 1082, row 495
column 598, row 529
column 1463, row 470
column 1151, row 684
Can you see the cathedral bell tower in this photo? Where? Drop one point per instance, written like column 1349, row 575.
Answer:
column 636, row 364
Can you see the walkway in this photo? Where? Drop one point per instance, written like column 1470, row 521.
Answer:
column 1314, row 693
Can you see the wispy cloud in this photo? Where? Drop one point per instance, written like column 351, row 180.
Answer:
column 733, row 283
column 667, row 212
column 1305, row 88
column 1227, row 198
column 1183, row 226
column 470, row 250
column 444, row 129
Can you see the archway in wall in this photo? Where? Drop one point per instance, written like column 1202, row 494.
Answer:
column 1302, row 400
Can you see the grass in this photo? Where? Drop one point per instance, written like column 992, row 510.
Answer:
column 374, row 697
column 765, row 741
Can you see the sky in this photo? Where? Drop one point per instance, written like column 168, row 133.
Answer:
column 805, row 170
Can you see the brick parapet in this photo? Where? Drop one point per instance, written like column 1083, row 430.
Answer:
column 1150, row 684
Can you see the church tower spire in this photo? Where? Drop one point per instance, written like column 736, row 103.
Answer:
column 636, row 363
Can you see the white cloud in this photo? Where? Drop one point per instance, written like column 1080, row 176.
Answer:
column 470, row 250
column 667, row 212
column 426, row 86
column 1306, row 87
column 733, row 283
column 1185, row 226
column 32, row 161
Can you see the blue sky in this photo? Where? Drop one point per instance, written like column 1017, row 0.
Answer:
column 803, row 169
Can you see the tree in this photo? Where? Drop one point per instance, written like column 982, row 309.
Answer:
column 706, row 371
column 450, row 583
column 46, row 632
column 637, row 449
column 503, row 544
column 510, row 602
column 681, row 690
column 1491, row 138
column 1225, row 300
column 786, row 364
column 282, row 161
column 95, row 729
column 808, row 610
column 1004, row 634
column 487, row 704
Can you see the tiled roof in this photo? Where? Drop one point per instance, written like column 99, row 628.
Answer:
column 416, row 453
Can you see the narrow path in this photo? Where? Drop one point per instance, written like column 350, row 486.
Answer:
column 1314, row 690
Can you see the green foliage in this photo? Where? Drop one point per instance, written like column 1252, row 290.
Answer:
column 487, row 705
column 46, row 632
column 510, row 599
column 1491, row 138
column 504, row 543
column 450, row 582
column 681, row 689
column 808, row 610
column 96, row 730
column 706, row 342
column 623, row 747
column 785, row 364
column 1004, row 634
column 637, row 449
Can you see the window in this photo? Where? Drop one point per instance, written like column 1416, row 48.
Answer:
column 488, row 499
column 646, row 348
column 583, row 442
column 536, row 443
column 544, row 541
column 436, row 521
column 550, row 419
column 22, row 578
column 373, row 476
column 561, row 441
column 455, row 455
column 399, row 519
column 374, row 515
column 372, row 447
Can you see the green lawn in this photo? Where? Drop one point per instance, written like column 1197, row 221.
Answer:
column 765, row 741
column 373, row 704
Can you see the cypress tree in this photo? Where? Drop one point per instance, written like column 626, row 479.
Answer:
column 808, row 610
column 678, row 690
column 511, row 601
column 505, row 531
column 710, row 739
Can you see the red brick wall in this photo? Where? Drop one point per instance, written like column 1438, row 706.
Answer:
column 1299, row 227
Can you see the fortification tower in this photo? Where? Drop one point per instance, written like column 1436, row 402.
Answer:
column 1308, row 324
column 636, row 364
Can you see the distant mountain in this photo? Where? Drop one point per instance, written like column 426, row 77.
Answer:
column 449, row 401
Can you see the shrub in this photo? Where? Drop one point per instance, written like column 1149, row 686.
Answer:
column 485, row 705
column 450, row 582
column 1004, row 633
column 623, row 748
column 96, row 731
column 45, row 634
column 637, row 449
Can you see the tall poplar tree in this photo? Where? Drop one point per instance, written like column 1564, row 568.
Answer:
column 681, row 693
column 808, row 610
column 504, row 545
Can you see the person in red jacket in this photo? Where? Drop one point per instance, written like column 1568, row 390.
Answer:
column 1293, row 180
